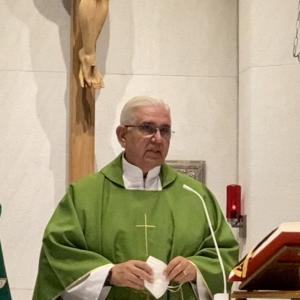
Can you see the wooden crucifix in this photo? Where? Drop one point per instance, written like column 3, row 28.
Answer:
column 88, row 17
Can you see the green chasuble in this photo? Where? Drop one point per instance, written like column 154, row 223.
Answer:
column 100, row 222
column 4, row 287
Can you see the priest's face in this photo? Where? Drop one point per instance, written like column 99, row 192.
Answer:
column 145, row 146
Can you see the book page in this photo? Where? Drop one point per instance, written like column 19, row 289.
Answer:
column 283, row 227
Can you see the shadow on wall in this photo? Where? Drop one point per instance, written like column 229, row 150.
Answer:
column 119, row 74
column 49, row 10
column 50, row 66
column 47, row 107
column 116, row 66
column 53, row 78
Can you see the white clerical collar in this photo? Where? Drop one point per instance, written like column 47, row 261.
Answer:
column 134, row 179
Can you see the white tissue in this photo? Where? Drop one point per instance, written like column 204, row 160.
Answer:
column 160, row 283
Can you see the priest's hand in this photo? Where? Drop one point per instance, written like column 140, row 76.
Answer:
column 181, row 270
column 131, row 274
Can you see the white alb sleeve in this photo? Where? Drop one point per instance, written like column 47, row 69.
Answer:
column 91, row 288
column 200, row 288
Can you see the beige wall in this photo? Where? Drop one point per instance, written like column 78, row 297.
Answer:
column 186, row 53
column 269, row 110
column 33, row 89
column 182, row 51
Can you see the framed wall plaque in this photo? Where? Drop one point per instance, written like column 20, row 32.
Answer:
column 193, row 168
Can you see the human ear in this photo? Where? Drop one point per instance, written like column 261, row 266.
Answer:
column 120, row 131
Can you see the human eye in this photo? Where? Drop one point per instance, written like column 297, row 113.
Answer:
column 147, row 129
column 165, row 131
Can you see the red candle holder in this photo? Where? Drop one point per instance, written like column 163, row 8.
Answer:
column 233, row 209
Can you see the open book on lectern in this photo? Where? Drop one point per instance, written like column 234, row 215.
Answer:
column 274, row 264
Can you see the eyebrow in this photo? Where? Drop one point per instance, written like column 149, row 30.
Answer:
column 154, row 124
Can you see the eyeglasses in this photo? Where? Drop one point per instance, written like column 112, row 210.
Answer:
column 150, row 130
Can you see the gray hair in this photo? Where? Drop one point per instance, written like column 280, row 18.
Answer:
column 127, row 113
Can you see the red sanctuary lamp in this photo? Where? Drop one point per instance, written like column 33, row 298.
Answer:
column 233, row 210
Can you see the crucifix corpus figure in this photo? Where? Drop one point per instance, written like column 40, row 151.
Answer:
column 92, row 15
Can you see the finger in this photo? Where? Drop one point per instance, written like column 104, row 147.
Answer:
column 172, row 264
column 97, row 86
column 132, row 283
column 98, row 80
column 142, row 274
column 192, row 271
column 143, row 266
column 182, row 277
column 136, row 283
column 135, row 286
column 188, row 274
column 175, row 272
column 123, row 275
column 176, row 265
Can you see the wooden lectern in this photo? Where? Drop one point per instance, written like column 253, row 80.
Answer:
column 278, row 278
column 242, row 295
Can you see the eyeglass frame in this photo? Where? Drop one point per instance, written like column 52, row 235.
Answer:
column 141, row 126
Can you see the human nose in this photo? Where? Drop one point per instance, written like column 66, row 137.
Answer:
column 157, row 135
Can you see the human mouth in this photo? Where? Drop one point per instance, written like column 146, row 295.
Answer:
column 153, row 151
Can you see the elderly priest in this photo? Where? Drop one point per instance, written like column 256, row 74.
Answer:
column 131, row 231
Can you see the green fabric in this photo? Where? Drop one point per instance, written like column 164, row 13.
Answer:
column 96, row 223
column 4, row 291
column 4, row 287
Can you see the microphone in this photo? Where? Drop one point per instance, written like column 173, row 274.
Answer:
column 225, row 294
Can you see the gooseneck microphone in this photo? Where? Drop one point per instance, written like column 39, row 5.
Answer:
column 188, row 188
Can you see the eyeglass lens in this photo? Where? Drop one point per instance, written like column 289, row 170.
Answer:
column 148, row 129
